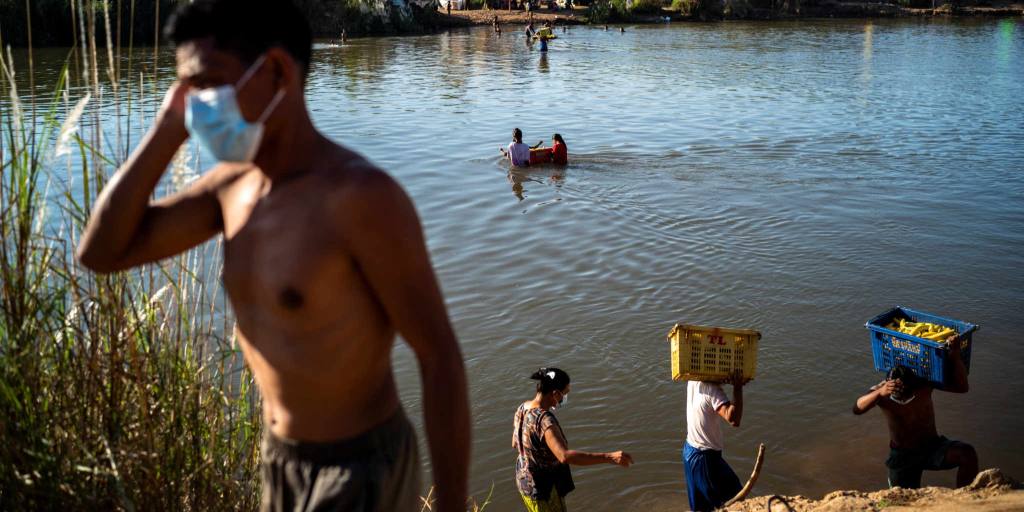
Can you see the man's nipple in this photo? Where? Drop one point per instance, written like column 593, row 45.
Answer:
column 291, row 298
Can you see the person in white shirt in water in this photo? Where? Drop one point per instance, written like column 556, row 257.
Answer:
column 518, row 153
column 710, row 482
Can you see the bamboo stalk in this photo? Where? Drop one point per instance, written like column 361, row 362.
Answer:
column 156, row 34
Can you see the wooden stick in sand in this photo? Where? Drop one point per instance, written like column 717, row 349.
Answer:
column 753, row 478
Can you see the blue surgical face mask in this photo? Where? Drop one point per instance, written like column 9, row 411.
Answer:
column 213, row 118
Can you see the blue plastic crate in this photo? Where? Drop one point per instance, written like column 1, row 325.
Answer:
column 925, row 358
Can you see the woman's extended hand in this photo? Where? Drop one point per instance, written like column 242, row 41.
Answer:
column 621, row 458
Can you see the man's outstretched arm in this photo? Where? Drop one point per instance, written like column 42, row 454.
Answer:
column 125, row 229
column 387, row 240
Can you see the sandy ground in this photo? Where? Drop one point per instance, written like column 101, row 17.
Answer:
column 1008, row 9
column 519, row 17
column 991, row 491
column 838, row 9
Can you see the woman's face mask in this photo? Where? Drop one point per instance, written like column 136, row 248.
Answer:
column 213, row 118
column 564, row 400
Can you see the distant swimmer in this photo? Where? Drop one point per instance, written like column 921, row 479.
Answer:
column 622, row 30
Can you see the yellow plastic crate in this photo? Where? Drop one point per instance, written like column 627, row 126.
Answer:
column 710, row 354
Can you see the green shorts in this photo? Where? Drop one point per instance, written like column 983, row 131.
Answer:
column 377, row 471
column 554, row 503
column 907, row 465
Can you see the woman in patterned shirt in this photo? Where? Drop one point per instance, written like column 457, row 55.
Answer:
column 542, row 465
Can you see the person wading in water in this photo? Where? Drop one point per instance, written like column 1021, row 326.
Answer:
column 324, row 263
column 542, row 464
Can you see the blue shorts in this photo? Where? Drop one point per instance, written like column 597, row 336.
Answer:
column 710, row 482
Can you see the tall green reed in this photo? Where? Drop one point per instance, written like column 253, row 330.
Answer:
column 116, row 392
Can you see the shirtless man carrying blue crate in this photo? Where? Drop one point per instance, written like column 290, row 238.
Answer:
column 916, row 445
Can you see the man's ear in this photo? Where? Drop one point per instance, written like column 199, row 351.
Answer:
column 287, row 72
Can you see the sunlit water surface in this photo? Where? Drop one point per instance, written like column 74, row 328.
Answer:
column 796, row 178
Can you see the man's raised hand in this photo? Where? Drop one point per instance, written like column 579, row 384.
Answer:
column 171, row 116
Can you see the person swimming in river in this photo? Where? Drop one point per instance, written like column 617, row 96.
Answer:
column 557, row 154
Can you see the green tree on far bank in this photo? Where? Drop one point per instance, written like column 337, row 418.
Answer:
column 136, row 22
column 54, row 21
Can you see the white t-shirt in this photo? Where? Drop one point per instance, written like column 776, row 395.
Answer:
column 703, row 424
column 520, row 153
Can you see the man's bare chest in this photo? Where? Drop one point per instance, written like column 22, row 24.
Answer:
column 280, row 253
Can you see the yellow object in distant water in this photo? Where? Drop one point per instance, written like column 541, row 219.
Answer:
column 545, row 34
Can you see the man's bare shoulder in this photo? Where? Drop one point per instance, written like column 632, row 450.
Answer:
column 352, row 185
column 221, row 175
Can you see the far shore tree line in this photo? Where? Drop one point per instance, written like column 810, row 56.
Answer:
column 138, row 22
column 44, row 23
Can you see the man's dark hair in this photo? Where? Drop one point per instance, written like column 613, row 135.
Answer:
column 517, row 135
column 245, row 28
column 550, row 379
column 910, row 379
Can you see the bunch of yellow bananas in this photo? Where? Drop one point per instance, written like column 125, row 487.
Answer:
column 924, row 330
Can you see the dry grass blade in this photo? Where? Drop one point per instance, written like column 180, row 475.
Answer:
column 70, row 127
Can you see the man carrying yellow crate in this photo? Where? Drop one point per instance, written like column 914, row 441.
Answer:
column 710, row 482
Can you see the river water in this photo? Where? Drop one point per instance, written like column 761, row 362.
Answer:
column 792, row 177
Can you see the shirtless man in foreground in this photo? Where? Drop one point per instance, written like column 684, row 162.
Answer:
column 916, row 445
column 324, row 262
